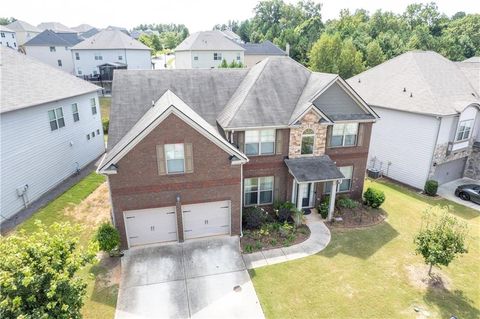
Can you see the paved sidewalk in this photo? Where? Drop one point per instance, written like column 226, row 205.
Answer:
column 318, row 240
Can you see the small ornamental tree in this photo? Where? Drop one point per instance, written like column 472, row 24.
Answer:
column 441, row 238
column 38, row 273
column 224, row 64
column 108, row 238
column 431, row 187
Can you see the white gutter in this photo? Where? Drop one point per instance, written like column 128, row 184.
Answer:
column 241, row 200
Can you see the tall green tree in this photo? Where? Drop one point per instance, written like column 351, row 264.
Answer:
column 325, row 52
column 350, row 61
column 5, row 20
column 374, row 55
column 39, row 273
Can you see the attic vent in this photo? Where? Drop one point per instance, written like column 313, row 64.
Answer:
column 473, row 94
column 404, row 89
column 411, row 94
column 153, row 103
column 359, row 81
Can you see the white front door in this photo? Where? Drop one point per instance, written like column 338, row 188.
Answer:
column 206, row 219
column 305, row 195
column 148, row 226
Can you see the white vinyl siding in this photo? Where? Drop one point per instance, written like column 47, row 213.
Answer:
column 258, row 191
column 33, row 155
column 204, row 59
column 406, row 141
column 61, row 59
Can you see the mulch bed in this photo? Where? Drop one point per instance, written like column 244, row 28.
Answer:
column 253, row 241
column 361, row 216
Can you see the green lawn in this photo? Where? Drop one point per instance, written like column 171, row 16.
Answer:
column 100, row 301
column 364, row 273
column 105, row 103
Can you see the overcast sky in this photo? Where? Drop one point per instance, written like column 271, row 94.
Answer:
column 197, row 15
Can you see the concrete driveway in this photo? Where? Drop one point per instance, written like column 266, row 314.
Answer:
column 447, row 191
column 196, row 279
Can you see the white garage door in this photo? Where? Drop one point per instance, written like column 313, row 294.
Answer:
column 450, row 171
column 206, row 219
column 148, row 226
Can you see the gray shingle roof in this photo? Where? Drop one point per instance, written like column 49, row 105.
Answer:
column 89, row 33
column 474, row 59
column 82, row 28
column 20, row 25
column 313, row 169
column 110, row 39
column 208, row 41
column 56, row 27
column 433, row 85
column 471, row 69
column 264, row 48
column 49, row 37
column 5, row 29
column 27, row 82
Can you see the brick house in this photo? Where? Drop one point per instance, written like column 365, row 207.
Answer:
column 190, row 149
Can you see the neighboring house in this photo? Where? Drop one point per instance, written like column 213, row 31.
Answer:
column 430, row 117
column 189, row 149
column 137, row 33
column 206, row 50
column 55, row 27
column 82, row 28
column 50, row 127
column 232, row 36
column 53, row 49
column 256, row 52
column 7, row 37
column 24, row 31
column 89, row 33
column 110, row 46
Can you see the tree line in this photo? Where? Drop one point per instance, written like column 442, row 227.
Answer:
column 356, row 41
column 168, row 37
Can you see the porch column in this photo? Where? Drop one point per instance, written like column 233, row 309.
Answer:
column 331, row 205
column 299, row 201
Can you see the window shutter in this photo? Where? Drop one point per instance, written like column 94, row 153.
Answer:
column 361, row 129
column 188, row 158
column 279, row 142
column 241, row 140
column 161, row 160
column 329, row 134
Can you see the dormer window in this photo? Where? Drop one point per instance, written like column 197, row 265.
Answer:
column 464, row 128
column 308, row 138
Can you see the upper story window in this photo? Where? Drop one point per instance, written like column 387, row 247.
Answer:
column 52, row 49
column 464, row 128
column 77, row 56
column 120, row 58
column 175, row 157
column 13, row 36
column 93, row 104
column 3, row 35
column 344, row 135
column 238, row 56
column 195, row 58
column 217, row 56
column 59, row 62
column 98, row 56
column 258, row 191
column 76, row 116
column 308, row 138
column 259, row 142
column 56, row 118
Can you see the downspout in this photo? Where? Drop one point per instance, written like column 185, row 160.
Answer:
column 241, row 200
column 434, row 146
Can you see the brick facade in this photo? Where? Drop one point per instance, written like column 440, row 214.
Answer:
column 137, row 185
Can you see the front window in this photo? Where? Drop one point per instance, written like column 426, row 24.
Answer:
column 56, row 118
column 120, row 58
column 464, row 128
column 258, row 191
column 77, row 56
column 59, row 62
column 52, row 49
column 93, row 104
column 98, row 56
column 3, row 35
column 195, row 58
column 346, row 183
column 175, row 156
column 238, row 56
column 308, row 138
column 259, row 142
column 217, row 56
column 344, row 135
column 76, row 116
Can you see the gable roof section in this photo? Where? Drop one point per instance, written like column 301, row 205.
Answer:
column 208, row 41
column 433, row 85
column 5, row 29
column 110, row 39
column 27, row 82
column 82, row 28
column 267, row 95
column 20, row 25
column 471, row 70
column 49, row 37
column 264, row 48
column 55, row 27
column 205, row 91
column 168, row 104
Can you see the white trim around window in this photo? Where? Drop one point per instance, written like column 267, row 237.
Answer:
column 56, row 118
column 76, row 116
column 260, row 142
column 344, row 135
column 93, row 104
column 345, row 185
column 258, row 191
column 463, row 130
column 308, row 136
column 175, row 158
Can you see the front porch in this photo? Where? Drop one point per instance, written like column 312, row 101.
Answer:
column 310, row 177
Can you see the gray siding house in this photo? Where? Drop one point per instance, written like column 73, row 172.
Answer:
column 50, row 127
column 430, row 110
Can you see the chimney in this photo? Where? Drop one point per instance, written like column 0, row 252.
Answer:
column 287, row 49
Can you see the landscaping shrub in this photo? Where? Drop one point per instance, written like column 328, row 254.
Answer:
column 431, row 187
column 323, row 207
column 254, row 217
column 105, row 124
column 347, row 203
column 297, row 217
column 107, row 237
column 373, row 197
column 284, row 214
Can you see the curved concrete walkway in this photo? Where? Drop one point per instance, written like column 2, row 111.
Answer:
column 318, row 240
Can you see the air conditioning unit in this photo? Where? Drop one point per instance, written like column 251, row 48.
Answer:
column 373, row 173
